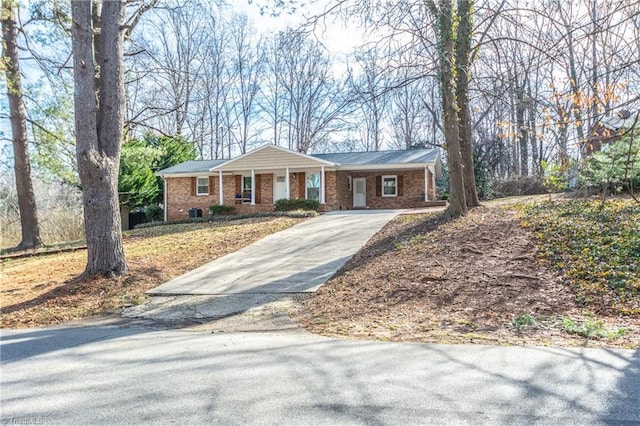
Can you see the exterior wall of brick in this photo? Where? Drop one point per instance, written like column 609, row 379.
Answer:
column 338, row 196
column 229, row 190
column 180, row 200
column 266, row 189
column 294, row 184
column 412, row 196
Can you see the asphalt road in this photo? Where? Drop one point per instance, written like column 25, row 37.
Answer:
column 103, row 375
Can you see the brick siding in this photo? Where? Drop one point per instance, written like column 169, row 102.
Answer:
column 337, row 193
column 341, row 197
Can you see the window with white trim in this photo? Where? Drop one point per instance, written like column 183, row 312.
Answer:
column 202, row 185
column 313, row 187
column 390, row 186
column 246, row 183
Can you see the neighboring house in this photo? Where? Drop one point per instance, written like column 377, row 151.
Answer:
column 341, row 181
column 609, row 130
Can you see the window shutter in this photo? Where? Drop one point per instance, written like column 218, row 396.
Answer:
column 400, row 185
column 378, row 186
column 302, row 185
column 194, row 182
column 211, row 186
column 238, row 184
column 258, row 189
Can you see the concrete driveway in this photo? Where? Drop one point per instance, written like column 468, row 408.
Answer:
column 298, row 259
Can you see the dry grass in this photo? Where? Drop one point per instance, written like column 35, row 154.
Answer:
column 40, row 290
column 56, row 225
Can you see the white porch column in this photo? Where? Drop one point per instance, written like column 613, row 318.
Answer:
column 253, row 187
column 220, row 188
column 426, row 183
column 322, row 185
column 286, row 184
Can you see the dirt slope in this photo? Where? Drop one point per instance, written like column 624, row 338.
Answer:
column 476, row 279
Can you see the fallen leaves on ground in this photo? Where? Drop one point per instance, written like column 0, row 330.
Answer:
column 476, row 279
column 595, row 245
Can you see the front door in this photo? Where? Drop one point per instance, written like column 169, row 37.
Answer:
column 359, row 192
column 279, row 188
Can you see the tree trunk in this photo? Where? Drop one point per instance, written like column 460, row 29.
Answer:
column 521, row 129
column 533, row 135
column 575, row 87
column 99, row 119
column 26, row 198
column 444, row 18
column 463, row 55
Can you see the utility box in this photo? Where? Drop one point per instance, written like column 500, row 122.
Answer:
column 195, row 213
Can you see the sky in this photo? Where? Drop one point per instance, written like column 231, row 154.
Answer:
column 339, row 37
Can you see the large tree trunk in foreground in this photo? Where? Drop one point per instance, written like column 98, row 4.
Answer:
column 463, row 76
column 18, row 117
column 97, row 40
column 446, row 64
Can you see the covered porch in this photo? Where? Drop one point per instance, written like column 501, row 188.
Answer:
column 255, row 181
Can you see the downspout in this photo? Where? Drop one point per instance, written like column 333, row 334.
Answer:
column 165, row 198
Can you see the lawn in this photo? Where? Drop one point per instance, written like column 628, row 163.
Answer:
column 40, row 290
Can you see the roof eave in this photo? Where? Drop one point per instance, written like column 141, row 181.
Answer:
column 389, row 166
column 182, row 174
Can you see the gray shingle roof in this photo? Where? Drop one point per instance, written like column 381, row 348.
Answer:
column 381, row 157
column 192, row 166
column 345, row 159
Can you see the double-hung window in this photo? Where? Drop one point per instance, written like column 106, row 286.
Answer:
column 390, row 186
column 246, row 189
column 313, row 187
column 202, row 186
column 246, row 184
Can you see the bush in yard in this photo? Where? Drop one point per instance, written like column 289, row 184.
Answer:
column 220, row 210
column 616, row 167
column 285, row 205
column 154, row 213
column 523, row 185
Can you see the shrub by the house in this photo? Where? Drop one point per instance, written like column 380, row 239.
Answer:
column 220, row 210
column 285, row 205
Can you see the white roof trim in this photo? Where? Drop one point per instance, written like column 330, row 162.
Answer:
column 269, row 145
column 396, row 166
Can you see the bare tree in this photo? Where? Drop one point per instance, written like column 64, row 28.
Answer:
column 247, row 65
column 216, row 86
column 273, row 100
column 316, row 101
column 26, row 198
column 371, row 92
column 444, row 15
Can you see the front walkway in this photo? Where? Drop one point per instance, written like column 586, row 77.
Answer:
column 298, row 259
